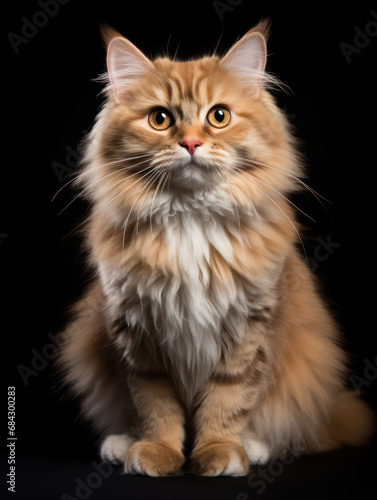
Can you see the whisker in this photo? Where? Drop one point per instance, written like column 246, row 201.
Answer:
column 154, row 196
column 176, row 51
column 169, row 177
column 221, row 34
column 95, row 168
column 130, row 210
column 110, row 201
column 77, row 176
column 154, row 177
column 281, row 210
column 312, row 191
column 104, row 177
column 277, row 192
column 245, row 193
column 234, row 201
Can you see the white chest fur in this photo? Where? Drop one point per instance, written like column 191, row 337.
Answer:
column 185, row 315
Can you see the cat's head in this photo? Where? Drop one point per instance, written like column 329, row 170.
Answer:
column 191, row 125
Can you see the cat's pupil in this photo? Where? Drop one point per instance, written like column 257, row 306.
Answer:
column 219, row 115
column 160, row 117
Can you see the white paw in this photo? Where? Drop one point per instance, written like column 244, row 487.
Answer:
column 115, row 447
column 234, row 467
column 257, row 450
column 133, row 466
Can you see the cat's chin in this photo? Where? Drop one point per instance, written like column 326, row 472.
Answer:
column 192, row 175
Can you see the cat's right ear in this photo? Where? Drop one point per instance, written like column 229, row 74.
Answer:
column 125, row 64
column 247, row 58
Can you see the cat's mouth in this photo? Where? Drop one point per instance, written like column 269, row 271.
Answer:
column 192, row 165
column 194, row 171
column 191, row 171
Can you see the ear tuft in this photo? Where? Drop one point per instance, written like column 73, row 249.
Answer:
column 125, row 63
column 108, row 33
column 247, row 58
column 263, row 27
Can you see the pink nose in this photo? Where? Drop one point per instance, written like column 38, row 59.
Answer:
column 191, row 145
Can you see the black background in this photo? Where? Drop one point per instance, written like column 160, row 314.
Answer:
column 51, row 99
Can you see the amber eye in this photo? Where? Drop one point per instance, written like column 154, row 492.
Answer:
column 160, row 119
column 219, row 117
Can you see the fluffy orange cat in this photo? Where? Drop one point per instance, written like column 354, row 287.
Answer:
column 192, row 345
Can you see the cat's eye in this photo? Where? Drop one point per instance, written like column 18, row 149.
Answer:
column 160, row 119
column 219, row 117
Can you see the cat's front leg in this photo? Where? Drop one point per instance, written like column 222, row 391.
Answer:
column 219, row 421
column 221, row 417
column 161, row 423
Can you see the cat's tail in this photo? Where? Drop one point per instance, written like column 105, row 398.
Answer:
column 353, row 421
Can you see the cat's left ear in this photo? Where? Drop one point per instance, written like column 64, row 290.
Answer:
column 125, row 63
column 247, row 58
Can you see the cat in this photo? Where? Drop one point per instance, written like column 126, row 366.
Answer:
column 203, row 339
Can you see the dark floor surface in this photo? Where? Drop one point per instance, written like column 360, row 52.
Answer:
column 346, row 473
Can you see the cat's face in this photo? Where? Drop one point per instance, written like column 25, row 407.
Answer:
column 193, row 119
column 189, row 125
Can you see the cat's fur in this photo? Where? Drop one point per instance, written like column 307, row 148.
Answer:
column 202, row 319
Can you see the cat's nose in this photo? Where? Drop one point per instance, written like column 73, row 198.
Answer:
column 191, row 145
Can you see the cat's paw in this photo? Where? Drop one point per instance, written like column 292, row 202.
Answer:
column 115, row 447
column 258, row 451
column 219, row 459
column 153, row 458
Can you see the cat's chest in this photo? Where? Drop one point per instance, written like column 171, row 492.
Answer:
column 192, row 240
column 188, row 310
column 193, row 304
column 189, row 291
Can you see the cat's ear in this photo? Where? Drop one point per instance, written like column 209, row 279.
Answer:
column 125, row 64
column 247, row 58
